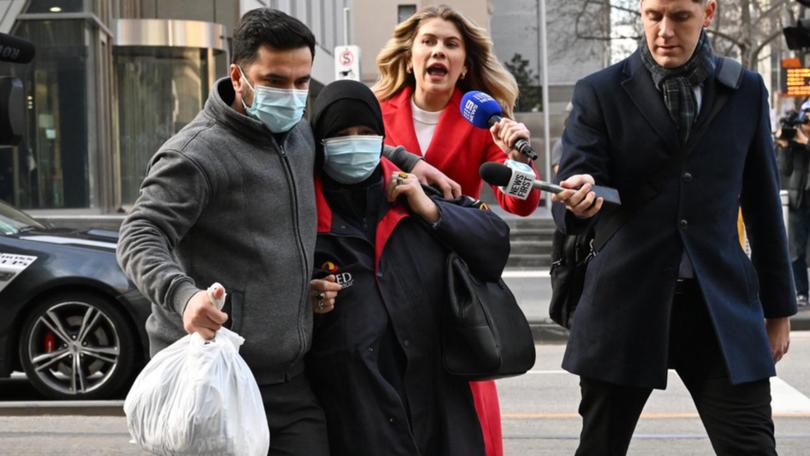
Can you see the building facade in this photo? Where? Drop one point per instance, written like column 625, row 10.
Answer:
column 113, row 79
column 375, row 21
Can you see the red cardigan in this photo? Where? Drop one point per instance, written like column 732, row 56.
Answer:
column 457, row 148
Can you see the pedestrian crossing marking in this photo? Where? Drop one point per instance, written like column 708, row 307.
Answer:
column 524, row 273
column 786, row 402
column 787, row 399
column 644, row 416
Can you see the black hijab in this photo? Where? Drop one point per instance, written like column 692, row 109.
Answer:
column 340, row 105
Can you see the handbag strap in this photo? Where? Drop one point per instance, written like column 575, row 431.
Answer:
column 730, row 75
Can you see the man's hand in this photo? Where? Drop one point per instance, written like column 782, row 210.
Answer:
column 506, row 133
column 323, row 293
column 407, row 185
column 429, row 175
column 779, row 336
column 202, row 317
column 579, row 199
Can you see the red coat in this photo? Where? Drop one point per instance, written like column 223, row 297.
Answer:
column 457, row 148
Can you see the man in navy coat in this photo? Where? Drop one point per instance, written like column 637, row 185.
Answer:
column 673, row 288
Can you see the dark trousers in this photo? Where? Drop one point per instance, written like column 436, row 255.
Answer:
column 737, row 418
column 296, row 420
column 798, row 233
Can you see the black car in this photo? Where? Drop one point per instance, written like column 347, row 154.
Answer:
column 68, row 315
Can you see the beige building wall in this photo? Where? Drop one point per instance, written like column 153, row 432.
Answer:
column 373, row 23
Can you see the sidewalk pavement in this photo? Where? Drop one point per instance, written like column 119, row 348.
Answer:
column 532, row 289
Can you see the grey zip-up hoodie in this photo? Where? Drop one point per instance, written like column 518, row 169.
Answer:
column 223, row 202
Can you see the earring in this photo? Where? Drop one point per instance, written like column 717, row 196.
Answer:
column 409, row 69
column 463, row 75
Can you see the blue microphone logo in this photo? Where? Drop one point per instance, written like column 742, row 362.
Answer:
column 477, row 108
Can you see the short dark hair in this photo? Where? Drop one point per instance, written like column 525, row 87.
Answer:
column 271, row 27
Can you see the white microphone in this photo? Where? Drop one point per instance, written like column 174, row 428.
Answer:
column 514, row 178
column 519, row 183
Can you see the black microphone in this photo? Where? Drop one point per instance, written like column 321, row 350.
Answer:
column 519, row 184
column 15, row 50
column 483, row 111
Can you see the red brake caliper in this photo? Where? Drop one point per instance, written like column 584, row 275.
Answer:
column 49, row 342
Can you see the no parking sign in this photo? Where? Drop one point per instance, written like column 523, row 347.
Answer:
column 347, row 62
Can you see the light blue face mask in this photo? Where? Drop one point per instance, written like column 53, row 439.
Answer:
column 278, row 109
column 351, row 159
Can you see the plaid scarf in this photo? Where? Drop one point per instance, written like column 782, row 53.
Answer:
column 677, row 83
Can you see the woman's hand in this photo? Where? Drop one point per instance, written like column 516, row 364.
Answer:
column 323, row 293
column 407, row 185
column 506, row 133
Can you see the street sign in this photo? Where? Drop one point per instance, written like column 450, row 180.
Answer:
column 347, row 62
column 796, row 82
column 791, row 62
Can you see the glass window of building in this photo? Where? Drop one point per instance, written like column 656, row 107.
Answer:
column 53, row 157
column 160, row 90
column 405, row 11
column 164, row 70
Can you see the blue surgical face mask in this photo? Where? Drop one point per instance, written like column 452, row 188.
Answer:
column 278, row 109
column 351, row 159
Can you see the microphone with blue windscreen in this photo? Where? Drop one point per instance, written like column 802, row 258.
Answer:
column 483, row 111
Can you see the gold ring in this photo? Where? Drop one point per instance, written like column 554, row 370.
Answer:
column 401, row 177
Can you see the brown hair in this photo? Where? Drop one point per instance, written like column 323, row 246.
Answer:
column 484, row 71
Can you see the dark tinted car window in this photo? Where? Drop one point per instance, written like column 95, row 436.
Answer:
column 13, row 221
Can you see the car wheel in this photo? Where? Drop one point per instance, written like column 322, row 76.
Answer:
column 77, row 346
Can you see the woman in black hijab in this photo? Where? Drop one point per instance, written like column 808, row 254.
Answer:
column 375, row 361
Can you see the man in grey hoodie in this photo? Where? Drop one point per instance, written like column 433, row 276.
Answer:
column 230, row 199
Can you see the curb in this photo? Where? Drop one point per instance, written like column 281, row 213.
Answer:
column 800, row 321
column 548, row 332
column 82, row 408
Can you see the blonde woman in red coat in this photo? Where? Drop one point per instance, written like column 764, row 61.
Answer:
column 433, row 58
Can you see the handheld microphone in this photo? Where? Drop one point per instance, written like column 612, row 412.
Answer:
column 483, row 111
column 519, row 184
column 15, row 50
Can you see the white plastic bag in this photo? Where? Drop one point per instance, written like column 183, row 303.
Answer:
column 198, row 397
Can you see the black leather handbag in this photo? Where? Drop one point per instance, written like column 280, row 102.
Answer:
column 569, row 259
column 485, row 335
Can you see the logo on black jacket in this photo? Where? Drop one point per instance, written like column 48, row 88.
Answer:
column 343, row 278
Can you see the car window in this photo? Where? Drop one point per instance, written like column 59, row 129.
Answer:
column 12, row 221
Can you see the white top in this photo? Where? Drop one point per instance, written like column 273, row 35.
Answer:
column 424, row 123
